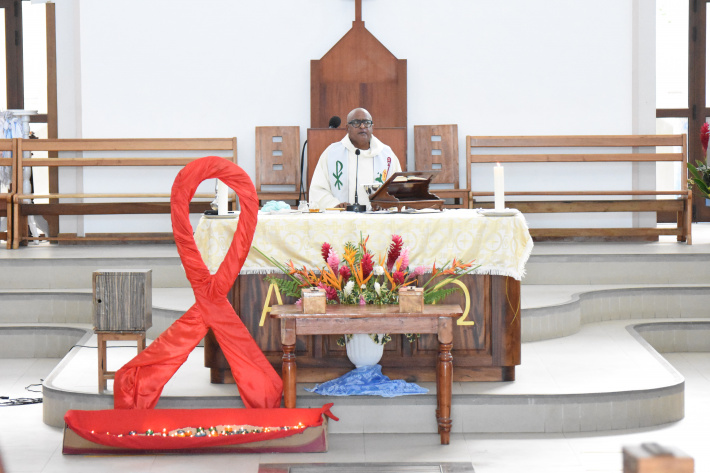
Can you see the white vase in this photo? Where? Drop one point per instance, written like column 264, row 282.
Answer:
column 363, row 351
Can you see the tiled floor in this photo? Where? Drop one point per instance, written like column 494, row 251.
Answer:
column 28, row 445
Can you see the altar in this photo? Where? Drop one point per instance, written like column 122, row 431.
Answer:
column 486, row 342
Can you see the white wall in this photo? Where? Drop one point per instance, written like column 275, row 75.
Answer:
column 171, row 68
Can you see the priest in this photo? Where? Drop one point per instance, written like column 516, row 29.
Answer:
column 334, row 183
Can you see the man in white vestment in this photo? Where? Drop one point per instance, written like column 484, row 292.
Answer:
column 333, row 182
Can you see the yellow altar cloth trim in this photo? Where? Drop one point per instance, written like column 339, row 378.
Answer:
column 500, row 245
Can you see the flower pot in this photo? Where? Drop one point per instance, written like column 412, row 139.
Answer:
column 363, row 351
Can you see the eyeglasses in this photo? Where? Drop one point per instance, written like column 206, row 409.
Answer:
column 359, row 123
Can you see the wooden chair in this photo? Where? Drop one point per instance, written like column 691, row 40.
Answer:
column 6, row 197
column 436, row 147
column 278, row 173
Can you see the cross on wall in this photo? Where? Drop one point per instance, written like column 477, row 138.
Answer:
column 358, row 10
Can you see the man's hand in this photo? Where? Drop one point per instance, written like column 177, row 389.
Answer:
column 342, row 205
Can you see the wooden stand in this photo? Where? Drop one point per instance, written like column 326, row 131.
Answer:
column 344, row 319
column 406, row 189
column 104, row 337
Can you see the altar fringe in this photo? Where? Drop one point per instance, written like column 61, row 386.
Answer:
column 486, row 270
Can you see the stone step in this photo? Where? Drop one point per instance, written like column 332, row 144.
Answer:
column 610, row 378
column 551, row 267
column 547, row 311
column 551, row 312
column 603, row 307
column 52, row 267
column 66, row 306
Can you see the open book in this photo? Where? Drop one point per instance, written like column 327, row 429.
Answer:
column 408, row 178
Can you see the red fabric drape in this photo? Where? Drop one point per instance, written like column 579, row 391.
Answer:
column 139, row 383
column 103, row 427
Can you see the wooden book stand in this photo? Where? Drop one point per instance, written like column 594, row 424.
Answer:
column 406, row 189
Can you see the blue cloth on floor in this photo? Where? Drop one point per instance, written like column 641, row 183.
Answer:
column 367, row 380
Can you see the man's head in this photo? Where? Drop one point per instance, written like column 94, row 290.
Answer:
column 360, row 128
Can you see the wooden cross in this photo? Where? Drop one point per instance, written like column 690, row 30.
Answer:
column 358, row 10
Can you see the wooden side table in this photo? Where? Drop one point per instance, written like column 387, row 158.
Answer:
column 103, row 337
column 344, row 319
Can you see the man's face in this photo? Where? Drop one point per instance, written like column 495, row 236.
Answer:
column 360, row 135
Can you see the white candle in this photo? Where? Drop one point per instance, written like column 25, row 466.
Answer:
column 498, row 188
column 222, row 198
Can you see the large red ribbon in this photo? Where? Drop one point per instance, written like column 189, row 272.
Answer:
column 139, row 383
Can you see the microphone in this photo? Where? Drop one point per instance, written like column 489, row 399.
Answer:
column 334, row 122
column 356, row 207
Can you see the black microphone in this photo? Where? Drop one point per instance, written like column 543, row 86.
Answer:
column 334, row 122
column 356, row 207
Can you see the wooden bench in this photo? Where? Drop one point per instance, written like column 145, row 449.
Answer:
column 137, row 153
column 6, row 197
column 587, row 149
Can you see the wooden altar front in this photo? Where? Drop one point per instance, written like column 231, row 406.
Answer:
column 486, row 342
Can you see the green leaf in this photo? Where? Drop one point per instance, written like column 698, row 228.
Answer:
column 702, row 187
column 438, row 295
column 694, row 171
column 287, row 287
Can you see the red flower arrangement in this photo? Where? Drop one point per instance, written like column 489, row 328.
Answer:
column 704, row 135
column 357, row 277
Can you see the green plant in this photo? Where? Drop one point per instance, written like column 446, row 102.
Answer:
column 700, row 177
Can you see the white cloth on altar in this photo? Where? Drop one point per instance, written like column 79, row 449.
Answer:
column 372, row 163
column 500, row 245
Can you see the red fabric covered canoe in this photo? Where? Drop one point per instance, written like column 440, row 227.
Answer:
column 107, row 431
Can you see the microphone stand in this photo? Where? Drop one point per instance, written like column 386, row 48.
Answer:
column 356, row 207
column 302, row 188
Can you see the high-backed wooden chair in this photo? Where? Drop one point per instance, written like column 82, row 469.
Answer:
column 278, row 173
column 436, row 147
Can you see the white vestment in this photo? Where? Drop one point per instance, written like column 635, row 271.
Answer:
column 333, row 179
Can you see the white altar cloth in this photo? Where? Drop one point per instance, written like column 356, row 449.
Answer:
column 500, row 245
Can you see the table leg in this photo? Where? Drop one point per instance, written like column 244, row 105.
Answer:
column 438, row 395
column 444, row 378
column 288, row 375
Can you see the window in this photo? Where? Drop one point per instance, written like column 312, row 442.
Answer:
column 681, row 28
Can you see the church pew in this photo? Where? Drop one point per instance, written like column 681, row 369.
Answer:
column 134, row 153
column 588, row 149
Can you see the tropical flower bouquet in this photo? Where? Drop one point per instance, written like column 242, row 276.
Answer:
column 359, row 277
column 700, row 172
